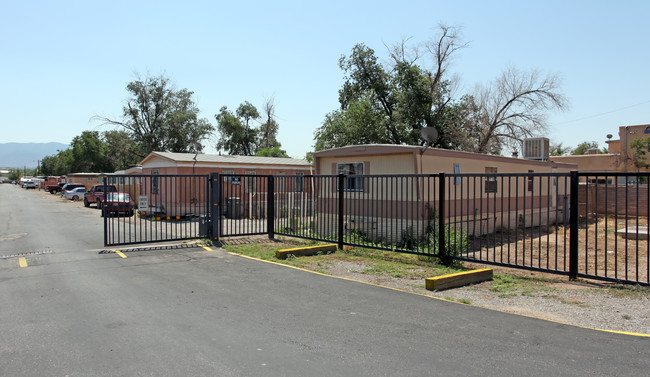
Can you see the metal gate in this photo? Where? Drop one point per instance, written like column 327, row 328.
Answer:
column 244, row 202
column 154, row 208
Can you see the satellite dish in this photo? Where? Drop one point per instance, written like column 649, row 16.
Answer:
column 429, row 134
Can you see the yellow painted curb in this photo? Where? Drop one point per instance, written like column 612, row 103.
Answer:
column 458, row 279
column 305, row 251
column 203, row 246
column 121, row 254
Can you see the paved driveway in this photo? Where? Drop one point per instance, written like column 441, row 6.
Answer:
column 71, row 308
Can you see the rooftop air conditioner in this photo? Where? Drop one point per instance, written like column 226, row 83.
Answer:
column 536, row 148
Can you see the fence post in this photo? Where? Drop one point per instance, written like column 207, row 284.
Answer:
column 215, row 208
column 573, row 226
column 270, row 207
column 442, row 251
column 102, row 209
column 341, row 191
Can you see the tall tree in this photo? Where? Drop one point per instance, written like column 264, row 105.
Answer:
column 122, row 152
column 242, row 133
column 514, row 107
column 392, row 102
column 559, row 149
column 272, row 152
column 89, row 153
column 237, row 136
column 159, row 118
column 640, row 147
column 269, row 128
column 583, row 147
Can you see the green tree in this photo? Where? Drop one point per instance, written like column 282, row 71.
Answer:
column 89, row 153
column 58, row 164
column 14, row 175
column 122, row 152
column 242, row 133
column 391, row 103
column 559, row 150
column 584, row 147
column 160, row 118
column 237, row 136
column 272, row 152
column 47, row 165
column 640, row 146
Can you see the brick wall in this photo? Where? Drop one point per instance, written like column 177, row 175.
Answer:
column 630, row 200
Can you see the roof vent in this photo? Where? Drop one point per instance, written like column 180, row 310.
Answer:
column 593, row 151
column 536, row 148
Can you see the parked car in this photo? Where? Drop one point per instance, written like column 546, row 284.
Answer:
column 29, row 185
column 74, row 194
column 96, row 194
column 117, row 203
column 53, row 189
column 71, row 186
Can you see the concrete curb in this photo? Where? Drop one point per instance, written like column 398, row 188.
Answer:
column 458, row 279
column 305, row 251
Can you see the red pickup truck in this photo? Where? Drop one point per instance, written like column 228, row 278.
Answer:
column 53, row 189
column 96, row 195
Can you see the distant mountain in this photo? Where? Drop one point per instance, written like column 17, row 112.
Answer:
column 20, row 155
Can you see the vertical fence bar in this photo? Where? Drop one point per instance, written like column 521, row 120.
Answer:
column 573, row 227
column 215, row 206
column 341, row 198
column 105, row 219
column 442, row 251
column 270, row 207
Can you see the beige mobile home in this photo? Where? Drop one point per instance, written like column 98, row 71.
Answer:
column 389, row 199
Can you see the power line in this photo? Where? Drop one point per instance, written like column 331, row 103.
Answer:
column 605, row 113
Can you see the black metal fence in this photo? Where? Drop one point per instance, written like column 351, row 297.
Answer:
column 154, row 208
column 591, row 225
column 580, row 224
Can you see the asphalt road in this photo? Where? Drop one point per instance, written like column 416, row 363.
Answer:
column 69, row 308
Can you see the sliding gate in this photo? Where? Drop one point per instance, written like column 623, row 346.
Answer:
column 154, row 208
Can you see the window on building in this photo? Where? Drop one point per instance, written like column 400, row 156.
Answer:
column 228, row 172
column 457, row 171
column 530, row 180
column 155, row 189
column 280, row 181
column 351, row 169
column 490, row 181
column 300, row 182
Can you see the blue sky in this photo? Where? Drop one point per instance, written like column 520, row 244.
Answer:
column 64, row 62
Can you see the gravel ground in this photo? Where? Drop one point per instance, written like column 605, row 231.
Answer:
column 580, row 303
